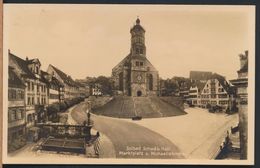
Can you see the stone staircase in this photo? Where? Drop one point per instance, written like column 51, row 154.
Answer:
column 146, row 107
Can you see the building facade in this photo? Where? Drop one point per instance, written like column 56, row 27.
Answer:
column 16, row 112
column 217, row 92
column 71, row 88
column 55, row 89
column 36, row 95
column 135, row 75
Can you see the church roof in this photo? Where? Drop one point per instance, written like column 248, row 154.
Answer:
column 200, row 75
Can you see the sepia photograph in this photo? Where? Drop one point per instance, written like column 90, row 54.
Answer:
column 128, row 84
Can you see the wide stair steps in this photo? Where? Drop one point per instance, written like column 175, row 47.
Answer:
column 145, row 107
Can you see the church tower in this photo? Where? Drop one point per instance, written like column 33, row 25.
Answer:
column 135, row 75
column 137, row 40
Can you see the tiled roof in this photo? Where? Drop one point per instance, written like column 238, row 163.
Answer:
column 23, row 64
column 66, row 78
column 14, row 80
column 200, row 85
column 223, row 82
column 137, row 27
column 200, row 75
column 51, row 80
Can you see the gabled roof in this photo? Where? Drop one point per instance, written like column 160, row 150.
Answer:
column 13, row 79
column 23, row 64
column 222, row 80
column 66, row 78
column 56, row 82
column 51, row 80
column 199, row 85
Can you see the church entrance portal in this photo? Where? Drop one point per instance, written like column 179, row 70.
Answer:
column 139, row 93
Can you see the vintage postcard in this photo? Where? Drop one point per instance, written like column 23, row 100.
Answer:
column 128, row 84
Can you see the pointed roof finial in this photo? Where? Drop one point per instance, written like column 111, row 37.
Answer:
column 138, row 20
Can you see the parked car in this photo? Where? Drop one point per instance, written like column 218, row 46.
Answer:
column 215, row 108
column 137, row 118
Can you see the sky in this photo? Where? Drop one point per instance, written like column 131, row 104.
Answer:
column 89, row 40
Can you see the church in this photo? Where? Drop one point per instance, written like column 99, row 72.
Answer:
column 135, row 75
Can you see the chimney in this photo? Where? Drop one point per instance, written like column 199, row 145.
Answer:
column 9, row 51
column 27, row 59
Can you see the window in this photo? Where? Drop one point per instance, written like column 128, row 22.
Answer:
column 223, row 96
column 137, row 51
column 28, row 101
column 137, row 63
column 29, row 118
column 38, row 88
column 13, row 115
column 20, row 94
column 32, row 87
column 141, row 51
column 11, row 94
column 38, row 100
column 19, row 115
column 32, row 100
column 28, row 86
column 141, row 63
column 213, row 96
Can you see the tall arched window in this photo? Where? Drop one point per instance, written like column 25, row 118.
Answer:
column 121, row 80
column 150, row 82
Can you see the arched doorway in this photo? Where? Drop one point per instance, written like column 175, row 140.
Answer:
column 139, row 93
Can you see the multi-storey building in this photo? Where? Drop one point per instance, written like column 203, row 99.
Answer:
column 16, row 111
column 217, row 92
column 55, row 89
column 36, row 96
column 195, row 93
column 71, row 88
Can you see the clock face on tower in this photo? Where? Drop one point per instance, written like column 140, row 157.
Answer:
column 139, row 78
